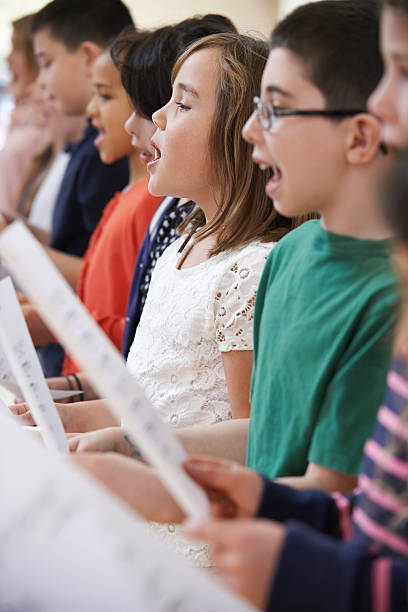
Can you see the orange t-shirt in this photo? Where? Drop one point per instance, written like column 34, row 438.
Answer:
column 109, row 262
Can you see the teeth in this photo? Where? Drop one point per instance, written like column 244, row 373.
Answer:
column 263, row 166
column 156, row 154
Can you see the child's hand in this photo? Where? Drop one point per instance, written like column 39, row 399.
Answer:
column 234, row 491
column 246, row 554
column 22, row 414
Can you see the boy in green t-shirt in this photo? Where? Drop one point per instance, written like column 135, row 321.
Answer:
column 327, row 302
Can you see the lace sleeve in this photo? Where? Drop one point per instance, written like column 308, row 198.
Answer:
column 235, row 299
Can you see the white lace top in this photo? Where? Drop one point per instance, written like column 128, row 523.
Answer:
column 190, row 317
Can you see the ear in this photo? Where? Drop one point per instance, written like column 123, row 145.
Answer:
column 89, row 52
column 363, row 139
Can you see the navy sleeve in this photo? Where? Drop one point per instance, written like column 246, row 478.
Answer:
column 318, row 573
column 314, row 508
column 97, row 183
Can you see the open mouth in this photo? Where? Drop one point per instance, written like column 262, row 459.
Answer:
column 274, row 182
column 99, row 138
column 146, row 157
column 157, row 156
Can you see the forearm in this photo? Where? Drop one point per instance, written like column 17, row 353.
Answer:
column 227, row 439
column 317, row 477
column 81, row 417
column 69, row 265
column 135, row 483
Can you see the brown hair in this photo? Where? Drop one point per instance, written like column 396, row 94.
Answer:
column 21, row 28
column 245, row 213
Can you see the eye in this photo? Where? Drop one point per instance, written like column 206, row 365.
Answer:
column 182, row 106
column 105, row 97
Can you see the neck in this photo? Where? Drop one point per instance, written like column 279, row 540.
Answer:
column 356, row 210
column 137, row 170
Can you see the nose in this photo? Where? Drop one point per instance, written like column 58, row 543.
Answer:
column 381, row 101
column 92, row 108
column 159, row 118
column 252, row 132
column 129, row 124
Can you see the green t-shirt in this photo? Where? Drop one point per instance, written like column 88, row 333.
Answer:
column 324, row 318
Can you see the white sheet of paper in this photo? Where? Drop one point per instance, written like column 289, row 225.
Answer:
column 21, row 355
column 91, row 348
column 66, row 544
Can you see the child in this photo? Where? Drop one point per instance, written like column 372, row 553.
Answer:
column 68, row 36
column 328, row 297
column 28, row 133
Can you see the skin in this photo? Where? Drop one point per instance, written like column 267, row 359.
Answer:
column 141, row 130
column 109, row 109
column 22, row 74
column 390, row 100
column 66, row 75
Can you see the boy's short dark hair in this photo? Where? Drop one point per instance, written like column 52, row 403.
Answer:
column 73, row 22
column 146, row 58
column 338, row 41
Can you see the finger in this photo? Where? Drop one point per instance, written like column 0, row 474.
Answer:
column 73, row 444
column 213, row 473
column 19, row 409
column 218, row 533
column 25, row 419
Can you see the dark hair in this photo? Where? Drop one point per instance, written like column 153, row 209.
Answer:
column 402, row 5
column 338, row 42
column 146, row 58
column 73, row 22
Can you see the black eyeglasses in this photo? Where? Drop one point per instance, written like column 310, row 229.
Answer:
column 267, row 114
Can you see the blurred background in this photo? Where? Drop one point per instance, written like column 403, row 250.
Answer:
column 249, row 16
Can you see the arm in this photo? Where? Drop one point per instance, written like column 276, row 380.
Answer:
column 294, row 568
column 69, row 265
column 319, row 477
column 76, row 417
column 225, row 439
column 134, row 482
column 61, row 383
column 238, row 369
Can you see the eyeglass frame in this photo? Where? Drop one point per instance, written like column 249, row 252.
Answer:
column 274, row 112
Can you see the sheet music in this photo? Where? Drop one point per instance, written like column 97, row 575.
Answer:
column 20, row 354
column 91, row 348
column 67, row 545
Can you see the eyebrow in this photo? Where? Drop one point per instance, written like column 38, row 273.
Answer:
column 188, row 89
column 279, row 90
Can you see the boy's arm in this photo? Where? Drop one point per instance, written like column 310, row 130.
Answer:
column 70, row 266
column 319, row 477
column 227, row 439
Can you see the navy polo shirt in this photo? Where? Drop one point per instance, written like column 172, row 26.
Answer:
column 87, row 186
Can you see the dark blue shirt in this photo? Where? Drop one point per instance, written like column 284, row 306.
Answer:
column 86, row 188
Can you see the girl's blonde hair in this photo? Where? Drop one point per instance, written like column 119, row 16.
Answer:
column 245, row 213
column 21, row 28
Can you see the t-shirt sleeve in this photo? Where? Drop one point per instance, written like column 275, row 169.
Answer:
column 354, row 394
column 318, row 573
column 235, row 300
